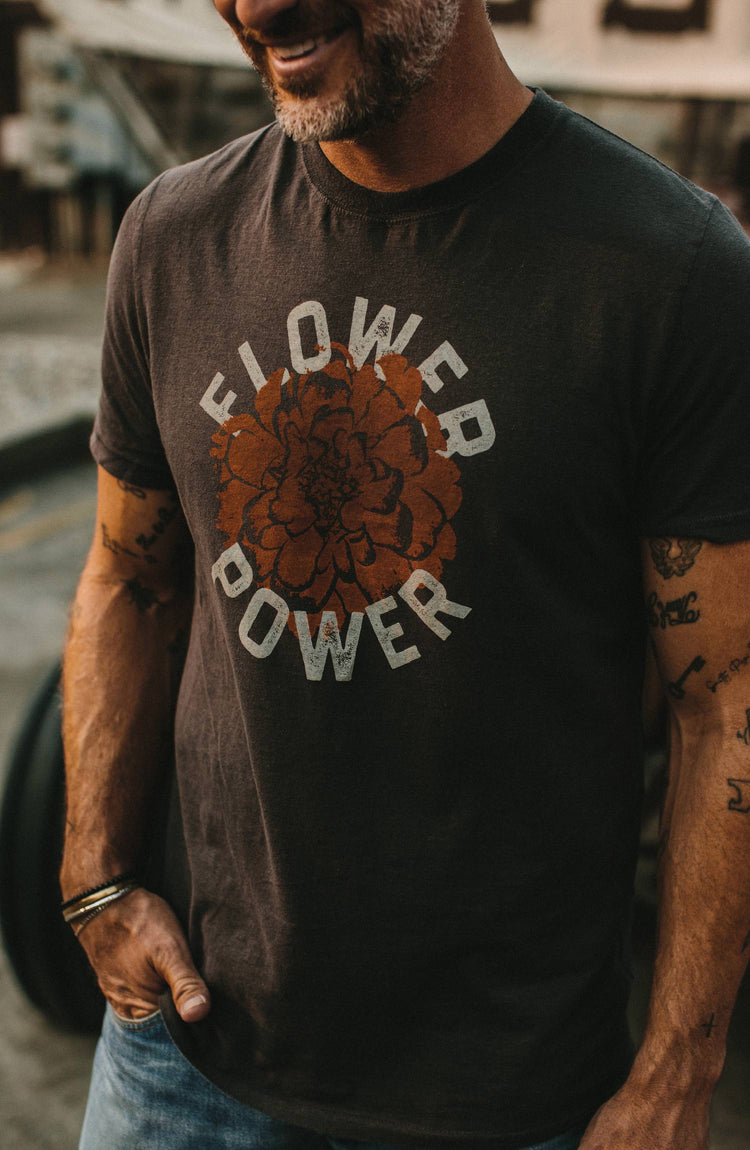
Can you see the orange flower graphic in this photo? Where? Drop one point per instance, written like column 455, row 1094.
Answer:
column 334, row 485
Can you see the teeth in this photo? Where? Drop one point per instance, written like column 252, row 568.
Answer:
column 292, row 51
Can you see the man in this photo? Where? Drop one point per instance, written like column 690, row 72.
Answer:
column 420, row 386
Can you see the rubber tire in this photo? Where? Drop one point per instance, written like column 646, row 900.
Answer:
column 47, row 961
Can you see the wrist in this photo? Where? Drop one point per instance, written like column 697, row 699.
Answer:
column 81, row 872
column 678, row 1066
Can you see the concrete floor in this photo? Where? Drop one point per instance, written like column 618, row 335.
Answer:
column 45, row 526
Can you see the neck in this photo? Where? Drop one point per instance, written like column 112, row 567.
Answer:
column 466, row 107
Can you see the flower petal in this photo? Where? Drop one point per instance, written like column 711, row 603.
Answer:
column 297, row 559
column 403, row 446
column 404, row 380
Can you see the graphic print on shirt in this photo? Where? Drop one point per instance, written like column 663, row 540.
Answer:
column 336, row 492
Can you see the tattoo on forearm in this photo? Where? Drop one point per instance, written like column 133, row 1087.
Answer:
column 141, row 597
column 131, row 489
column 674, row 556
column 677, row 689
column 725, row 676
column 674, row 613
column 709, row 1026
column 741, row 800
column 744, row 734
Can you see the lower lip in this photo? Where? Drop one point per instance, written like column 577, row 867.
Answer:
column 319, row 56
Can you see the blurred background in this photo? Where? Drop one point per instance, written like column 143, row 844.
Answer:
column 96, row 98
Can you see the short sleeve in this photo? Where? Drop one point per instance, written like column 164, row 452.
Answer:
column 694, row 471
column 126, row 440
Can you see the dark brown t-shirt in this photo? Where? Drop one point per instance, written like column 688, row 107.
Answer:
column 417, row 438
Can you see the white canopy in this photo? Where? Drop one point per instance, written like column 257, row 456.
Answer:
column 669, row 77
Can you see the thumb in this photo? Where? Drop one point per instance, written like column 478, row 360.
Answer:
column 189, row 991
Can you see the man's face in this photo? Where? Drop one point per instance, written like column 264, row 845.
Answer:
column 338, row 68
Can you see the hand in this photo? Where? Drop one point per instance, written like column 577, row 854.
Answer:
column 137, row 949
column 632, row 1121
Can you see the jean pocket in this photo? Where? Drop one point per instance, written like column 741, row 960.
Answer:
column 134, row 1024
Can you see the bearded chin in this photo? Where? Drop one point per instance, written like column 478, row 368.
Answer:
column 307, row 117
column 396, row 64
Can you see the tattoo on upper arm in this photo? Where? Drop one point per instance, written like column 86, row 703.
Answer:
column 131, row 489
column 118, row 548
column 741, row 800
column 141, row 597
column 674, row 613
column 677, row 689
column 709, row 1026
column 113, row 545
column 674, row 556
column 165, row 515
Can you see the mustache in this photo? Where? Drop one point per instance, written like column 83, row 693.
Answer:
column 301, row 22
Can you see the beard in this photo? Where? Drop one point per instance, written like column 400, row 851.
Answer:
column 400, row 44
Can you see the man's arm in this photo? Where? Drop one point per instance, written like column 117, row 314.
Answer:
column 132, row 604
column 697, row 599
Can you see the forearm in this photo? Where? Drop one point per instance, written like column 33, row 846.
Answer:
column 118, row 687
column 704, row 909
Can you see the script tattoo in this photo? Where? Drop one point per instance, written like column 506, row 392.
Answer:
column 709, row 1026
column 165, row 515
column 725, row 676
column 113, row 545
column 674, row 556
column 118, row 548
column 741, row 800
column 677, row 689
column 141, row 597
column 674, row 613
column 131, row 489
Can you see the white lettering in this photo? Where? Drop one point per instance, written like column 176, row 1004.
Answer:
column 233, row 556
column 218, row 411
column 253, row 368
column 452, row 423
column 313, row 310
column 380, row 332
column 386, row 634
column 262, row 596
column 438, row 601
column 444, row 354
column 329, row 642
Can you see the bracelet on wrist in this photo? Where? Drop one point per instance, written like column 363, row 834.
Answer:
column 119, row 878
column 77, row 912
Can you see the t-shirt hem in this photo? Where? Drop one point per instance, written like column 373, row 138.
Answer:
column 335, row 1121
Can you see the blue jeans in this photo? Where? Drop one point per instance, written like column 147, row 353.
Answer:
column 146, row 1096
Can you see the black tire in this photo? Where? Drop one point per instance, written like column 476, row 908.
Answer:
column 49, row 964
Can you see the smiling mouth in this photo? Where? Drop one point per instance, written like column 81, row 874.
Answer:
column 302, row 48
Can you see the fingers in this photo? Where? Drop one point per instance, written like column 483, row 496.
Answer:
column 137, row 949
column 189, row 992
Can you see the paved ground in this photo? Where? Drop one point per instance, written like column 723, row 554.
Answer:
column 45, row 526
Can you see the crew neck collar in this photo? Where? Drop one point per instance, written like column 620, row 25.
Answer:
column 533, row 124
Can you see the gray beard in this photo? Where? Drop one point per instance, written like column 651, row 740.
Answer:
column 398, row 60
